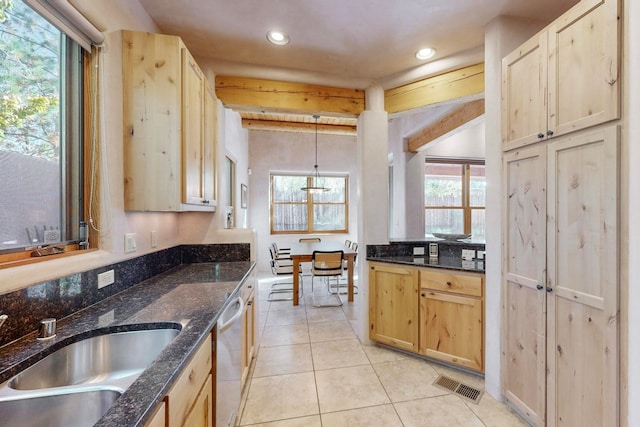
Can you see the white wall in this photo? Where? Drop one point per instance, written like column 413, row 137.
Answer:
column 630, row 274
column 294, row 152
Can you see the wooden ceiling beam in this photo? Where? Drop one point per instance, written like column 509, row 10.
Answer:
column 438, row 89
column 282, row 126
column 247, row 94
column 445, row 125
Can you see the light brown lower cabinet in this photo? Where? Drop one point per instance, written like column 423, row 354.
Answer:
column 433, row 312
column 201, row 414
column 249, row 337
column 393, row 305
column 452, row 318
column 159, row 419
column 190, row 400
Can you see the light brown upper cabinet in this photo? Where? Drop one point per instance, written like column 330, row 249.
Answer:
column 169, row 115
column 564, row 78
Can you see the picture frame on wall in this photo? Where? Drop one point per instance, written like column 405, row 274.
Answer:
column 243, row 196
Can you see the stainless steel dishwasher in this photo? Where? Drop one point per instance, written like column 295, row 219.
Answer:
column 229, row 361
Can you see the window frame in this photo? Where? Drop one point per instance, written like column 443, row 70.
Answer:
column 310, row 203
column 467, row 209
column 76, row 66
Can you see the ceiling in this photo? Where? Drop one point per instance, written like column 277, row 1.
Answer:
column 370, row 40
column 340, row 43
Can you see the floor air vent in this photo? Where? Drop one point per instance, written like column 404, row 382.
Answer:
column 467, row 392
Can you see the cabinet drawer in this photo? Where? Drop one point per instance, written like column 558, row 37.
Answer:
column 185, row 391
column 450, row 282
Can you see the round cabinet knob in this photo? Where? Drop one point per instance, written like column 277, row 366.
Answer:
column 539, row 287
column 540, row 135
column 448, row 283
column 549, row 289
column 549, row 133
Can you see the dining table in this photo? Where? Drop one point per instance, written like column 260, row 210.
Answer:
column 303, row 252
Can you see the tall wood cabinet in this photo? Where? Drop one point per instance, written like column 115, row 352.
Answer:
column 560, row 347
column 565, row 78
column 169, row 126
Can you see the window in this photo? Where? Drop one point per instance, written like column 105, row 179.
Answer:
column 41, row 118
column 297, row 211
column 454, row 197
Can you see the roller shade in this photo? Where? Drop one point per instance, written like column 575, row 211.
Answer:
column 68, row 20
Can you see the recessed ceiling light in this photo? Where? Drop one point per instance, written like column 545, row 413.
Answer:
column 278, row 38
column 426, row 53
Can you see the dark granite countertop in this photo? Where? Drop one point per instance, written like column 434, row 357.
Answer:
column 191, row 295
column 443, row 261
column 425, row 240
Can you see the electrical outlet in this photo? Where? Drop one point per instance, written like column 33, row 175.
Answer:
column 418, row 251
column 154, row 239
column 129, row 243
column 481, row 254
column 105, row 279
column 468, row 254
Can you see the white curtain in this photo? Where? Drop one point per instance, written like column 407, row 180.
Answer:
column 67, row 18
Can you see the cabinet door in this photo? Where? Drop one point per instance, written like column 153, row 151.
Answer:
column 583, row 71
column 451, row 328
column 185, row 392
column 151, row 69
column 524, row 264
column 248, row 335
column 393, row 306
column 209, row 146
column 582, row 237
column 192, row 130
column 159, row 419
column 201, row 412
column 524, row 77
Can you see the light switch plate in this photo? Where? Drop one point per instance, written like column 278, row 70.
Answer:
column 130, row 243
column 154, row 239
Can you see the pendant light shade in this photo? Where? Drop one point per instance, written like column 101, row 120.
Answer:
column 314, row 176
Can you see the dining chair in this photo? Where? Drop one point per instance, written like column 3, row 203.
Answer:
column 326, row 265
column 280, row 288
column 342, row 285
column 280, row 250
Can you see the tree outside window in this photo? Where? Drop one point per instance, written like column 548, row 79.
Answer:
column 40, row 127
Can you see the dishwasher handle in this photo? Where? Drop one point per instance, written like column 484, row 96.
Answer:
column 222, row 326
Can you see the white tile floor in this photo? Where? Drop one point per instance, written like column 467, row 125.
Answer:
column 311, row 370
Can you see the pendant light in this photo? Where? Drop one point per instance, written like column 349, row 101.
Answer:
column 315, row 186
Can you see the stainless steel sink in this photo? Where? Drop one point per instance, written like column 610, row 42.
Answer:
column 78, row 409
column 115, row 359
